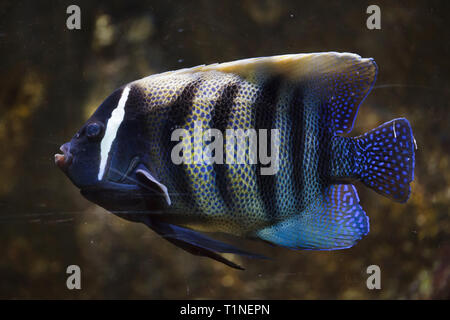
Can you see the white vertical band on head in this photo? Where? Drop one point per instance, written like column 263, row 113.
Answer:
column 111, row 131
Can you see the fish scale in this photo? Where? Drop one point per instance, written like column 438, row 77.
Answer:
column 169, row 111
column 245, row 205
column 288, row 190
column 200, row 176
column 312, row 183
column 245, row 201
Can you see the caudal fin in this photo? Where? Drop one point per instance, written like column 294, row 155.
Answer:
column 387, row 159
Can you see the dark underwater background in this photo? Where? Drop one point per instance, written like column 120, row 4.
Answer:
column 52, row 78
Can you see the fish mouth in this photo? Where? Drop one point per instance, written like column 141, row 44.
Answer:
column 63, row 161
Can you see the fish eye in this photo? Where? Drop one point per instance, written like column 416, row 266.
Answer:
column 94, row 129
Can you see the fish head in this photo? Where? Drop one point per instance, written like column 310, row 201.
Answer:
column 107, row 159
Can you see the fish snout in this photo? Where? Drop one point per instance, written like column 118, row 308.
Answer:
column 64, row 160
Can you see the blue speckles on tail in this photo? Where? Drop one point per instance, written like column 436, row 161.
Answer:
column 386, row 159
column 335, row 221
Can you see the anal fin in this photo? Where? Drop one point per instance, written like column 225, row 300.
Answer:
column 336, row 221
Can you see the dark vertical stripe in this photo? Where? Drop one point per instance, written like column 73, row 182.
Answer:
column 220, row 117
column 265, row 113
column 325, row 133
column 297, row 147
column 177, row 117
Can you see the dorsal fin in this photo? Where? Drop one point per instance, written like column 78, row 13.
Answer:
column 340, row 81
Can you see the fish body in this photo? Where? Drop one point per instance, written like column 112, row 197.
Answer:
column 126, row 158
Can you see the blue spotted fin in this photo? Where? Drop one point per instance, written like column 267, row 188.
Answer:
column 387, row 159
column 335, row 221
column 198, row 244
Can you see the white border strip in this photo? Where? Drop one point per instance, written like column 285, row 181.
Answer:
column 111, row 131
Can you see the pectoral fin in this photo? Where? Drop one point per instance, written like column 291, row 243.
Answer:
column 151, row 182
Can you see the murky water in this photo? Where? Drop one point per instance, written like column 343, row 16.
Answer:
column 52, row 78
